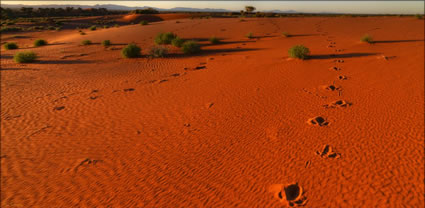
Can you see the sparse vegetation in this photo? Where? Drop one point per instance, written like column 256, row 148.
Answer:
column 10, row 46
column 58, row 28
column 143, row 22
column 367, row 39
column 50, row 28
column 286, row 34
column 93, row 27
column 165, row 38
column 82, row 33
column 418, row 16
column 177, row 42
column 85, row 42
column 191, row 47
column 299, row 51
column 106, row 43
column 10, row 29
column 157, row 52
column 214, row 40
column 116, row 25
column 105, row 26
column 249, row 35
column 249, row 8
column 25, row 57
column 40, row 42
column 131, row 51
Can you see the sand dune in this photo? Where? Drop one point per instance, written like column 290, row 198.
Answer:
column 229, row 127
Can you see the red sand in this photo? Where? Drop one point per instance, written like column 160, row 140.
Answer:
column 86, row 128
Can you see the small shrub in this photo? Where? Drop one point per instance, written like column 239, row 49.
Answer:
column 40, row 42
column 105, row 26
column 286, row 34
column 93, row 27
column 418, row 16
column 131, row 51
column 106, row 43
column 10, row 29
column 85, row 42
column 157, row 52
column 299, row 51
column 116, row 25
column 165, row 38
column 214, row 40
column 249, row 35
column 10, row 46
column 82, row 33
column 143, row 22
column 25, row 57
column 367, row 38
column 58, row 28
column 50, row 28
column 191, row 47
column 177, row 42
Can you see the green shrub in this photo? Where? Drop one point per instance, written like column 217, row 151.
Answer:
column 191, row 47
column 214, row 40
column 40, row 42
column 286, row 34
column 367, row 38
column 10, row 46
column 143, row 22
column 116, row 25
column 177, row 42
column 165, row 38
column 299, row 51
column 85, row 42
column 25, row 57
column 249, row 35
column 50, row 28
column 157, row 52
column 93, row 27
column 106, row 43
column 418, row 16
column 105, row 26
column 131, row 51
column 58, row 28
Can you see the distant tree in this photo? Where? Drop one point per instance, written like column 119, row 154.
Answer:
column 249, row 8
column 27, row 11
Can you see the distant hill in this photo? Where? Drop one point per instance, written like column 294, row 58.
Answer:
column 127, row 8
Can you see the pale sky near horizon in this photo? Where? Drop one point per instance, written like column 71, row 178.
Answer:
column 369, row 7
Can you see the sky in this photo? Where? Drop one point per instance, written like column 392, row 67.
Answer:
column 359, row 7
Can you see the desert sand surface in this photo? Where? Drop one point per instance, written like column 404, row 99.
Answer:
column 230, row 127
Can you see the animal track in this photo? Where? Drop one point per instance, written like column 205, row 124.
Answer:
column 318, row 121
column 332, row 88
column 59, row 108
column 328, row 152
column 335, row 68
column 291, row 194
column 339, row 61
column 129, row 89
column 342, row 77
column 338, row 104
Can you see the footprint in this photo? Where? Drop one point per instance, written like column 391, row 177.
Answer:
column 331, row 88
column 318, row 121
column 291, row 194
column 339, row 61
column 342, row 77
column 93, row 97
column 338, row 104
column 58, row 108
column 327, row 151
column 335, row 68
column 175, row 75
column 209, row 105
column 129, row 89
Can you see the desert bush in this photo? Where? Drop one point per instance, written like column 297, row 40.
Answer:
column 157, row 52
column 367, row 38
column 40, row 42
column 116, row 25
column 286, row 34
column 249, row 35
column 131, row 51
column 299, row 51
column 105, row 26
column 177, row 42
column 10, row 46
column 58, row 28
column 191, row 47
column 85, row 42
column 106, row 43
column 25, row 57
column 93, row 27
column 143, row 22
column 165, row 38
column 10, row 29
column 50, row 28
column 214, row 40
column 82, row 33
column 418, row 16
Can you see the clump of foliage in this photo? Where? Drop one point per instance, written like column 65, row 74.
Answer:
column 85, row 42
column 25, row 57
column 165, row 38
column 58, row 28
column 105, row 26
column 418, row 16
column 93, row 27
column 131, row 51
column 40, row 42
column 82, row 33
column 214, row 40
column 191, row 47
column 10, row 29
column 145, row 11
column 177, row 42
column 249, row 35
column 10, row 46
column 157, row 52
column 286, row 34
column 106, row 43
column 367, row 39
column 50, row 28
column 116, row 25
column 143, row 22
column 299, row 51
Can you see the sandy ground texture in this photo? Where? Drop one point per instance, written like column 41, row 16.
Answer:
column 239, row 125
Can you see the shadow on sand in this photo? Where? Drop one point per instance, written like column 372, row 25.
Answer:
column 213, row 52
column 395, row 41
